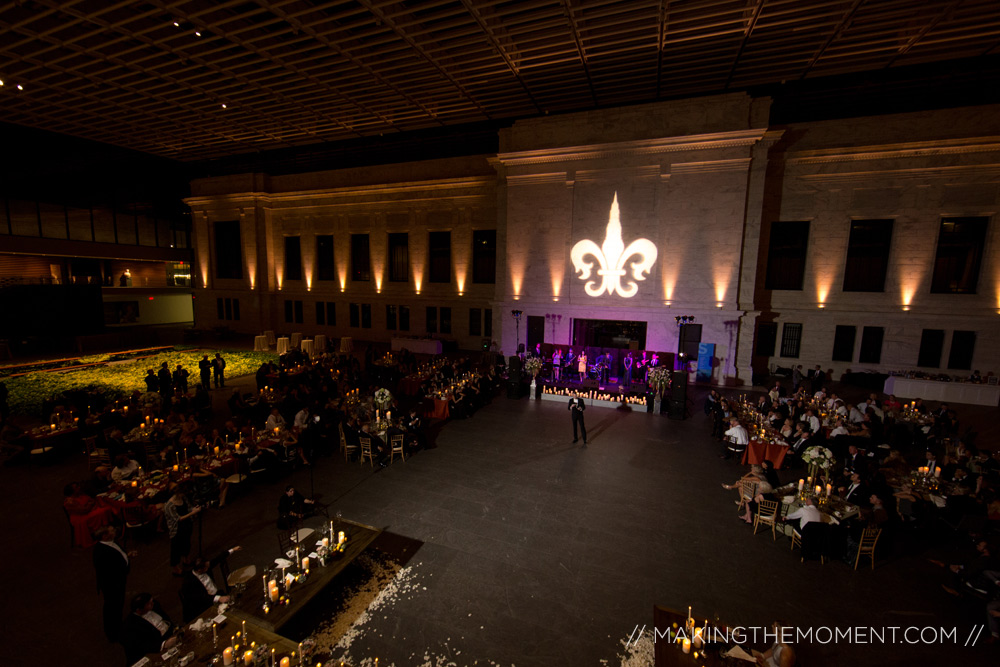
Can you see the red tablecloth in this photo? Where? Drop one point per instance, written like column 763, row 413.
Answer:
column 757, row 451
column 439, row 410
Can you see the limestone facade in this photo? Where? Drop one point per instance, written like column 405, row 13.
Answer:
column 701, row 179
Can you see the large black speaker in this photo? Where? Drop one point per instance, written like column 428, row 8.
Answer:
column 677, row 409
column 678, row 385
column 514, row 364
column 687, row 344
column 514, row 384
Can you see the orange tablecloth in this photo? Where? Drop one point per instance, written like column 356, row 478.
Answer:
column 440, row 409
column 757, row 451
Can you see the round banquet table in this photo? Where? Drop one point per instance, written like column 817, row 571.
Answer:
column 260, row 343
column 319, row 342
column 282, row 345
column 307, row 346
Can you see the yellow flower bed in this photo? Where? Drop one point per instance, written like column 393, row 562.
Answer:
column 121, row 378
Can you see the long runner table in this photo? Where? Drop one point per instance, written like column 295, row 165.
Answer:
column 250, row 606
column 204, row 648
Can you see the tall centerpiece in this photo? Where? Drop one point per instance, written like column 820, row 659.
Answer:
column 533, row 365
column 819, row 459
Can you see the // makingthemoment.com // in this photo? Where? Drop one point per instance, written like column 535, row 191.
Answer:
column 889, row 634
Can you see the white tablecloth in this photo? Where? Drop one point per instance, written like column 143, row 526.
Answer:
column 418, row 345
column 270, row 337
column 319, row 342
column 296, row 339
column 282, row 345
column 307, row 346
column 946, row 392
column 260, row 343
column 346, row 345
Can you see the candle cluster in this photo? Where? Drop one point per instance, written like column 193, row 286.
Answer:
column 628, row 399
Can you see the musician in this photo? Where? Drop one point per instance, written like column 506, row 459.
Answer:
column 556, row 363
column 581, row 365
column 603, row 365
column 643, row 365
column 628, row 362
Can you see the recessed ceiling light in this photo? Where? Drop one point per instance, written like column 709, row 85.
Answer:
column 176, row 24
column 197, row 33
column 20, row 87
column 223, row 106
column 1, row 82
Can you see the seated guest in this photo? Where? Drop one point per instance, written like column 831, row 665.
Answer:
column 779, row 655
column 292, row 508
column 805, row 514
column 84, row 515
column 198, row 590
column 855, row 492
column 812, row 420
column 855, row 462
column 146, row 630
column 125, row 468
column 839, row 429
column 738, row 439
column 275, row 420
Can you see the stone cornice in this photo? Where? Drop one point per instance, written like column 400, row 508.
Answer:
column 353, row 191
column 991, row 170
column 896, row 151
column 738, row 164
column 687, row 142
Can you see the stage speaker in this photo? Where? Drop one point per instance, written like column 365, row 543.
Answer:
column 514, row 384
column 514, row 364
column 688, row 342
column 678, row 386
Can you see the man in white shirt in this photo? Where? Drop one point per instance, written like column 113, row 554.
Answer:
column 124, row 468
column 274, row 420
column 810, row 418
column 146, row 630
column 857, row 415
column 302, row 419
column 839, row 429
column 806, row 514
column 738, row 439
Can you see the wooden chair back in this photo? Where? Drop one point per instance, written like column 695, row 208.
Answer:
column 869, row 539
column 366, row 450
column 396, row 447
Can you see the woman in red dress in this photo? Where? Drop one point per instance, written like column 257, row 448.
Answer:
column 85, row 515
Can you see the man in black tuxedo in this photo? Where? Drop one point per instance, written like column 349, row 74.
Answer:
column 855, row 462
column 576, row 407
column 198, row 590
column 112, row 566
column 146, row 630
column 856, row 492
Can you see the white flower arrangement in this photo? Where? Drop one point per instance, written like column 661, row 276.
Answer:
column 659, row 378
column 533, row 365
column 383, row 397
column 819, row 457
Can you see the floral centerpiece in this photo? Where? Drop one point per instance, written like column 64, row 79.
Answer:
column 659, row 379
column 818, row 458
column 383, row 398
column 533, row 366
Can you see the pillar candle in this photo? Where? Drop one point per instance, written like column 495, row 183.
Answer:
column 829, row 490
column 697, row 641
column 273, row 590
column 326, row 542
column 285, row 662
column 305, row 563
column 937, row 472
column 686, row 645
column 216, row 450
column 802, row 484
column 227, row 656
column 341, row 538
column 248, row 658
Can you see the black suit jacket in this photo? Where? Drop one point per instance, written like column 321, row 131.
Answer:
column 140, row 637
column 576, row 406
column 859, row 496
column 111, row 569
column 195, row 598
column 858, row 464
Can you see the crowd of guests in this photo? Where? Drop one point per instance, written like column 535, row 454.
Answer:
column 880, row 445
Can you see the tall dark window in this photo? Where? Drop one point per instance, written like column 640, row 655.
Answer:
column 432, row 319
column 229, row 309
column 366, row 316
column 484, row 256
column 767, row 339
column 331, row 313
column 963, row 343
column 361, row 265
column 355, row 311
column 320, row 312
column 326, row 265
column 390, row 318
column 843, row 342
column 399, row 258
column 439, row 257
column 475, row 322
column 293, row 312
column 871, row 345
column 791, row 340
column 488, row 322
column 404, row 318
column 228, row 250
column 445, row 320
column 959, row 255
column 867, row 256
column 293, row 258
column 786, row 255
column 931, row 342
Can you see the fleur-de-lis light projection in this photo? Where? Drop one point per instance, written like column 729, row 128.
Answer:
column 613, row 257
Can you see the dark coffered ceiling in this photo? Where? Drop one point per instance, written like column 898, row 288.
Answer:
column 197, row 80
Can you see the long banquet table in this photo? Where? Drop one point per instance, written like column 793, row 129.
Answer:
column 250, row 606
column 757, row 451
column 946, row 392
